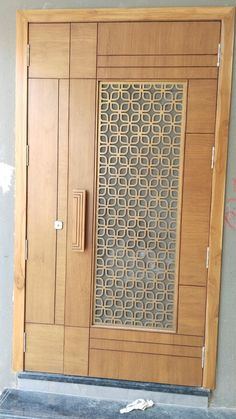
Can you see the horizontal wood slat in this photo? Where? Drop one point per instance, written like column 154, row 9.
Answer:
column 157, row 72
column 158, row 38
column 157, row 61
column 148, row 337
column 145, row 367
column 117, row 345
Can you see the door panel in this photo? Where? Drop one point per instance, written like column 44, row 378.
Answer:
column 191, row 315
column 145, row 367
column 44, row 348
column 81, row 176
column 202, row 106
column 83, row 50
column 154, row 38
column 196, row 208
column 123, row 281
column 49, row 50
column 42, row 200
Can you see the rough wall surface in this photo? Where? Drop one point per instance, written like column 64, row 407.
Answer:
column 225, row 394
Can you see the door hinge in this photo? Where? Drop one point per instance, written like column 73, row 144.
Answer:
column 213, row 157
column 28, row 55
column 203, row 356
column 219, row 56
column 24, row 342
column 26, row 249
column 207, row 257
column 27, row 155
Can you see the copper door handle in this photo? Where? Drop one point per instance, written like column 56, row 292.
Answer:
column 78, row 220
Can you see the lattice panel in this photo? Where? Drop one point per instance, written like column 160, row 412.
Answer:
column 141, row 134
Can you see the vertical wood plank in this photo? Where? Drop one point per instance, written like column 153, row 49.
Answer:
column 62, row 200
column 191, row 312
column 76, row 350
column 42, row 200
column 218, row 194
column 20, row 199
column 81, row 175
column 83, row 50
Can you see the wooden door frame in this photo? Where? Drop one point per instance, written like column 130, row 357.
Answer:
column 223, row 14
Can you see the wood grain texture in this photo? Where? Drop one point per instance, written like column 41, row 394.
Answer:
column 83, row 50
column 145, row 367
column 76, row 351
column 81, row 175
column 49, row 50
column 78, row 216
column 147, row 337
column 201, row 114
column 20, row 197
column 62, row 201
column 42, row 200
column 191, row 313
column 196, row 209
column 149, row 348
column 157, row 73
column 44, row 348
column 218, row 195
column 149, row 38
column 157, row 60
column 127, row 14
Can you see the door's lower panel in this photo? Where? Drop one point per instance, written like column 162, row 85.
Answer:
column 145, row 367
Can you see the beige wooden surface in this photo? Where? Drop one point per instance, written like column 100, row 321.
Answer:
column 83, row 50
column 148, row 336
column 226, row 16
column 150, row 348
column 157, row 60
column 196, row 209
column 145, row 367
column 20, row 195
column 158, row 38
column 49, row 50
column 76, row 350
column 63, row 138
column 42, row 200
column 191, row 315
column 201, row 106
column 157, row 73
column 81, row 175
column 44, row 348
column 127, row 14
column 217, row 212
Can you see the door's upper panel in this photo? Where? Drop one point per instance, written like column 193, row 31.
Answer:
column 153, row 38
column 49, row 50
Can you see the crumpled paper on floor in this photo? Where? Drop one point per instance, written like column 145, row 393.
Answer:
column 139, row 404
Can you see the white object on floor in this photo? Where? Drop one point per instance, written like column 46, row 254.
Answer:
column 139, row 404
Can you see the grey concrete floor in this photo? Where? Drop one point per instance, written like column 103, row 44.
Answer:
column 30, row 405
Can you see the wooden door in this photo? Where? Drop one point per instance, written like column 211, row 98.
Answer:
column 121, row 129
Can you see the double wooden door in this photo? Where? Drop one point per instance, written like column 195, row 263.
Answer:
column 121, row 128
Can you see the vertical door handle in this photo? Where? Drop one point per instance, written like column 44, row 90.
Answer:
column 78, row 220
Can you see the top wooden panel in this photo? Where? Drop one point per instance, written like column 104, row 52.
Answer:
column 152, row 38
column 83, row 50
column 49, row 50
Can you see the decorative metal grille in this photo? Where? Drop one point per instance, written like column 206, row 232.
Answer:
column 141, row 132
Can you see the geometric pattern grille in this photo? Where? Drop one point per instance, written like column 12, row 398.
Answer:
column 141, row 133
